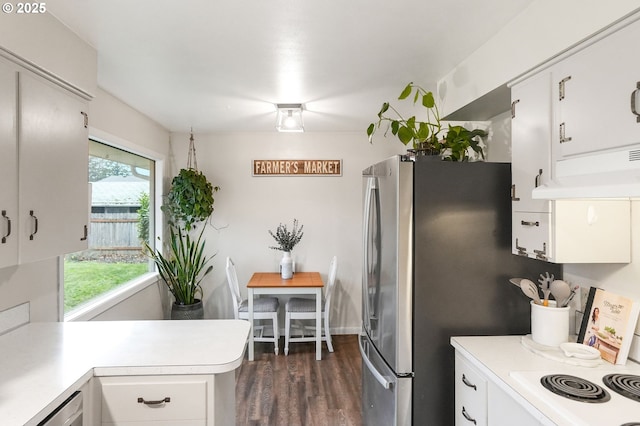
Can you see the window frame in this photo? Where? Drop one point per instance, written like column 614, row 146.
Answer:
column 103, row 303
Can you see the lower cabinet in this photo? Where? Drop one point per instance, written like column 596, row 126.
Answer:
column 481, row 402
column 185, row 400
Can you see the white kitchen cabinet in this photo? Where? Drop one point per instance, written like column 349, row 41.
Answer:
column 54, row 153
column 44, row 143
column 480, row 402
column 8, row 167
column 596, row 91
column 177, row 400
column 471, row 394
column 531, row 141
column 560, row 231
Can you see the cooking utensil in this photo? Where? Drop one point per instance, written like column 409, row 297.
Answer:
column 545, row 282
column 531, row 290
column 515, row 281
column 566, row 301
column 561, row 291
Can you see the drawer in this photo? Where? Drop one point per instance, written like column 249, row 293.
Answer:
column 173, row 399
column 530, row 234
column 471, row 394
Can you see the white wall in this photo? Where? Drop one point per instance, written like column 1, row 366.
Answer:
column 247, row 207
column 541, row 31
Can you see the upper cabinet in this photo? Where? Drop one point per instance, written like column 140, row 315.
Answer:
column 47, row 207
column 578, row 105
column 597, row 95
column 8, row 167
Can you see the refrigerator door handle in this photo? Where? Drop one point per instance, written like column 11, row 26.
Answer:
column 383, row 380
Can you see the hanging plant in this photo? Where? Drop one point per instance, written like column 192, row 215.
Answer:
column 190, row 199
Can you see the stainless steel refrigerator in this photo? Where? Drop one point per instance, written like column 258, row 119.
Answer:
column 437, row 262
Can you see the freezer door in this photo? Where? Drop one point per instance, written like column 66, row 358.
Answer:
column 387, row 260
column 386, row 399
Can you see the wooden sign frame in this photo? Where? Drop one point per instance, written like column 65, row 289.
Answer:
column 296, row 167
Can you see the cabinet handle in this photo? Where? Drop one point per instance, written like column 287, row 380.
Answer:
column 522, row 251
column 86, row 119
column 634, row 104
column 513, row 193
column 563, row 138
column 468, row 417
column 8, row 219
column 468, row 383
column 536, row 181
column 526, row 223
column 513, row 108
column 541, row 254
column 35, row 223
column 561, row 87
column 154, row 404
column 86, row 233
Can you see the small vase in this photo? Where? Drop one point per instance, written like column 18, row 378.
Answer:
column 187, row 312
column 286, row 266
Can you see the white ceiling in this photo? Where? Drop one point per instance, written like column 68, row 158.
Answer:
column 221, row 65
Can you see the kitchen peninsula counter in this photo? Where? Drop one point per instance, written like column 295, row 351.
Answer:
column 41, row 364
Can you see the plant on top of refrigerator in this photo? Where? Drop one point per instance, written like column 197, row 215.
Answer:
column 428, row 137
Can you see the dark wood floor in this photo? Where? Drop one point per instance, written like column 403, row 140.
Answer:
column 298, row 390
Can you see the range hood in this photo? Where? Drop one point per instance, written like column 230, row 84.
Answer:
column 606, row 174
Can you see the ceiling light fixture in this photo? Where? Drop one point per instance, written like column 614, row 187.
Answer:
column 289, row 118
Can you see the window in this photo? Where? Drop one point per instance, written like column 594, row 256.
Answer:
column 121, row 221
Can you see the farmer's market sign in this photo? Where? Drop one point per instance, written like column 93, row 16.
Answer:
column 297, row 167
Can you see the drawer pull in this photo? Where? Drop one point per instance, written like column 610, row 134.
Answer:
column 468, row 417
column 468, row 383
column 525, row 223
column 154, row 404
column 634, row 108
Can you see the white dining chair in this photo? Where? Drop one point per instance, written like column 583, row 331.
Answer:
column 298, row 308
column 264, row 308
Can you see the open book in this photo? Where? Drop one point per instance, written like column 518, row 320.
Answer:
column 608, row 324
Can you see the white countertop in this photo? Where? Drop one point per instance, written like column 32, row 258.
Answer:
column 41, row 364
column 498, row 356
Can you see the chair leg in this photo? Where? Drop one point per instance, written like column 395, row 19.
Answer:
column 287, row 327
column 327, row 334
column 276, row 333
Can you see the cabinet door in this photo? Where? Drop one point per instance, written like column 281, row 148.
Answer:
column 53, row 153
column 593, row 91
column 470, row 393
column 8, row 167
column 530, row 141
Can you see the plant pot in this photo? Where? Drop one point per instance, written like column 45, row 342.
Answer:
column 286, row 266
column 187, row 312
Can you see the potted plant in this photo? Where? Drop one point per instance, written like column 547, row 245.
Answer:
column 426, row 137
column 287, row 240
column 190, row 198
column 182, row 269
column 182, row 264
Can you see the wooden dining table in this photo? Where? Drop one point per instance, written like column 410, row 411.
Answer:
column 301, row 283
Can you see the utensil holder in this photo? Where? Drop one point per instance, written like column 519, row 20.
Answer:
column 549, row 324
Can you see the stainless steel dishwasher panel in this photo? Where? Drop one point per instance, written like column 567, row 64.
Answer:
column 69, row 413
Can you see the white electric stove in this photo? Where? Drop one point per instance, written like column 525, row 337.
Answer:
column 587, row 396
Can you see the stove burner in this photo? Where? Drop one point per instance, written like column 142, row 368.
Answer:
column 625, row 384
column 575, row 388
